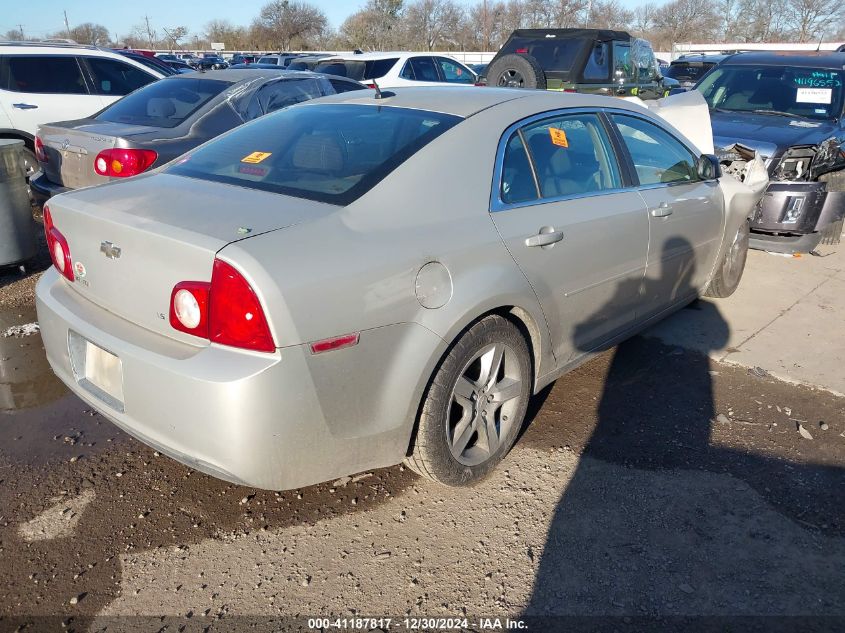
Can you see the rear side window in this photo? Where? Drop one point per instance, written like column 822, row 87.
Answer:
column 42, row 74
column 517, row 177
column 116, row 78
column 572, row 156
column 165, row 103
column 283, row 93
column 598, row 63
column 421, row 69
column 658, row 156
column 552, row 53
column 623, row 67
column 332, row 153
column 376, row 68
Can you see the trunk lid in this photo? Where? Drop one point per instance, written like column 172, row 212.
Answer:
column 71, row 148
column 168, row 229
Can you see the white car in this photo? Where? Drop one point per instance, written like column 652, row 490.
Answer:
column 397, row 70
column 46, row 82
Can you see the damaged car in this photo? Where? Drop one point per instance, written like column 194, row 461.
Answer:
column 788, row 108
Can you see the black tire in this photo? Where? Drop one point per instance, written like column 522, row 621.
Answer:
column 516, row 71
column 832, row 233
column 432, row 454
column 729, row 273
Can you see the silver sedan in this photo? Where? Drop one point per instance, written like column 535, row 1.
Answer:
column 362, row 280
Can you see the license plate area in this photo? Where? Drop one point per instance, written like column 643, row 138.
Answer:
column 97, row 370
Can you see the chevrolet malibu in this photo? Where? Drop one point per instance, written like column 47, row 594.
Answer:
column 365, row 279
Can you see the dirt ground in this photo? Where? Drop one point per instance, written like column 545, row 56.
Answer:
column 653, row 489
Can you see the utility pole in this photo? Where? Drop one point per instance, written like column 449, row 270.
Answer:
column 67, row 26
column 20, row 27
column 149, row 32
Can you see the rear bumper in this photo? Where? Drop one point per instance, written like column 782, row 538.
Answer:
column 43, row 189
column 276, row 421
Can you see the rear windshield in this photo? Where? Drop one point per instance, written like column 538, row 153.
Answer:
column 165, row 103
column 357, row 70
column 551, row 53
column 331, row 153
column 688, row 71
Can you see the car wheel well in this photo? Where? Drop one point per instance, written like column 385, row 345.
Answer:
column 523, row 322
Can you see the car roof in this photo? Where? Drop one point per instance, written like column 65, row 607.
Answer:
column 351, row 57
column 235, row 75
column 700, row 58
column 599, row 34
column 465, row 102
column 810, row 59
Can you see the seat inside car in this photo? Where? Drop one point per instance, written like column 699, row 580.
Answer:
column 319, row 152
column 160, row 108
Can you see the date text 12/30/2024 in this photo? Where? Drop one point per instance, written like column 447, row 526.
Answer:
column 417, row 624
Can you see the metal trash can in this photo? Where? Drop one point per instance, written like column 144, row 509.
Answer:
column 17, row 228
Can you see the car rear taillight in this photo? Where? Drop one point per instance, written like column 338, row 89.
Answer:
column 122, row 163
column 521, row 51
column 40, row 154
column 57, row 244
column 226, row 311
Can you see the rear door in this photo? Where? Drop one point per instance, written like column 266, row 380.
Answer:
column 42, row 88
column 686, row 215
column 577, row 234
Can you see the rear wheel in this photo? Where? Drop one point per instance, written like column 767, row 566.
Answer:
column 475, row 405
column 516, row 71
column 727, row 276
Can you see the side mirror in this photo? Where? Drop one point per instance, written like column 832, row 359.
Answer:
column 708, row 167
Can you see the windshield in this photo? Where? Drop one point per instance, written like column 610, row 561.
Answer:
column 688, row 71
column 165, row 103
column 813, row 93
column 330, row 153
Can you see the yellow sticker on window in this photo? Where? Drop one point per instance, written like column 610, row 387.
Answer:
column 558, row 137
column 255, row 157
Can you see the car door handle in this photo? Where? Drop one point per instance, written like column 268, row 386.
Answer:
column 546, row 237
column 661, row 210
column 24, row 106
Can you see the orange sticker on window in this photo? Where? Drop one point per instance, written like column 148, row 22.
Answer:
column 558, row 137
column 256, row 157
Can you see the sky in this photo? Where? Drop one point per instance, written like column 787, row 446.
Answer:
column 43, row 17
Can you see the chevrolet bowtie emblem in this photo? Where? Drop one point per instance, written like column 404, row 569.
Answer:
column 110, row 250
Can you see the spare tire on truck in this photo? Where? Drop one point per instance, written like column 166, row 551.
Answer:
column 516, row 71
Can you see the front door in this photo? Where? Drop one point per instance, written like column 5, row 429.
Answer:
column 686, row 216
column 579, row 240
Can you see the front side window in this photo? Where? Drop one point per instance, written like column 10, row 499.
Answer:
column 332, row 153
column 623, row 67
column 42, row 74
column 644, row 61
column 116, row 78
column 453, row 72
column 658, row 156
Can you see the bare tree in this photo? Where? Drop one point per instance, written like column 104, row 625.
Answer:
column 609, row 14
column 234, row 37
column 433, row 24
column 643, row 18
column 812, row 19
column 289, row 23
column 686, row 21
column 377, row 26
column 14, row 35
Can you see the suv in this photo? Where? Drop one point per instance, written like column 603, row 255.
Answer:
column 789, row 108
column 44, row 82
column 597, row 61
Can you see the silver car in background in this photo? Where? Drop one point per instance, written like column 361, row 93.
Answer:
column 362, row 280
